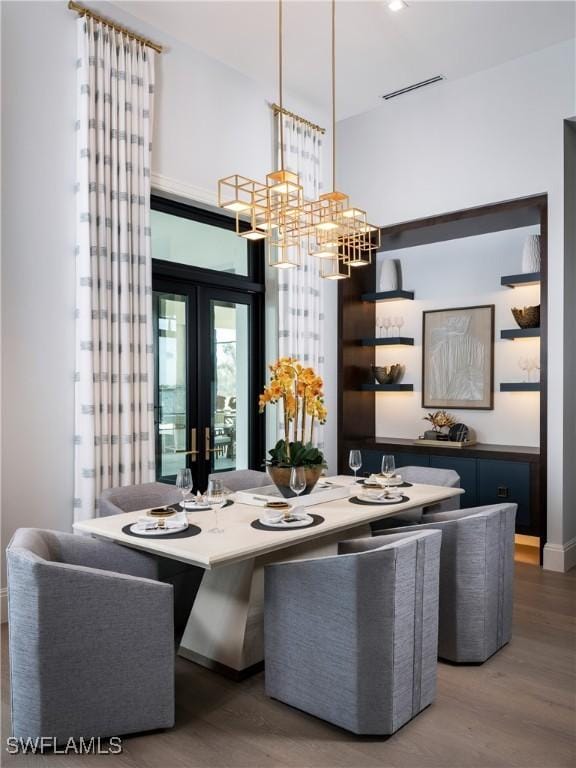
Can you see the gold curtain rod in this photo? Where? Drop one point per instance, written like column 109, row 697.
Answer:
column 300, row 119
column 82, row 11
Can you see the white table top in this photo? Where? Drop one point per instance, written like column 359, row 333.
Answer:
column 240, row 541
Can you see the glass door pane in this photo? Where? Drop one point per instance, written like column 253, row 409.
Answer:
column 171, row 337
column 230, row 407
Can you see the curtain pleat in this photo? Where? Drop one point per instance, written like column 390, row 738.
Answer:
column 114, row 398
column 300, row 299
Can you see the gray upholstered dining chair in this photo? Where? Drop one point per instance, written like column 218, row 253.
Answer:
column 186, row 579
column 352, row 638
column 90, row 635
column 476, row 579
column 446, row 478
column 131, row 498
column 242, row 479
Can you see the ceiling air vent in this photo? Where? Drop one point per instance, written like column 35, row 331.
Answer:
column 414, row 87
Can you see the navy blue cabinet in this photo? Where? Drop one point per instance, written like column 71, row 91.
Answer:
column 466, row 468
column 502, row 481
column 490, row 480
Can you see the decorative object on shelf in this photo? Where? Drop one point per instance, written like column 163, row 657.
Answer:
column 440, row 420
column 300, row 391
column 531, row 254
column 390, row 275
column 528, row 317
column 329, row 227
column 388, row 374
column 458, row 358
column 459, row 433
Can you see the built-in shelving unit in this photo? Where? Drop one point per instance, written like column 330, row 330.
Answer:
column 387, row 387
column 520, row 386
column 388, row 296
column 520, row 333
column 517, row 281
column 391, row 341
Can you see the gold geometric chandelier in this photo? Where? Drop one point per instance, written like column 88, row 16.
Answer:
column 328, row 228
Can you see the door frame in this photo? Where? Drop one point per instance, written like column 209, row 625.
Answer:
column 172, row 277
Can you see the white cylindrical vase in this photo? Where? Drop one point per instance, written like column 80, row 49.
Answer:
column 531, row 254
column 388, row 276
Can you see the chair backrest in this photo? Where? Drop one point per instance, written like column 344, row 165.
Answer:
column 131, row 498
column 242, row 479
column 447, row 478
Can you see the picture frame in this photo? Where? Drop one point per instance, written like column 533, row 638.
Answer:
column 458, row 358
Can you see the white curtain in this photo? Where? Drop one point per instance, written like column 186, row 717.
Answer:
column 114, row 403
column 300, row 300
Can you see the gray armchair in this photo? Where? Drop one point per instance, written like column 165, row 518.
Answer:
column 476, row 579
column 352, row 639
column 446, row 478
column 186, row 579
column 242, row 479
column 131, row 498
column 91, row 638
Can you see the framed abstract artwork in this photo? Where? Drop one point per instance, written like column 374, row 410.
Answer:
column 458, row 358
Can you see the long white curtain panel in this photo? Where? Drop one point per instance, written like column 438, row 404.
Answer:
column 300, row 293
column 114, row 403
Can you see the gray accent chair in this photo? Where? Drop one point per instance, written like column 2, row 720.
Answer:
column 131, row 498
column 352, row 638
column 186, row 579
column 476, row 579
column 446, row 478
column 242, row 479
column 91, row 638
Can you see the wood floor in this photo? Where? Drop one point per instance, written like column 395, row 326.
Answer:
column 518, row 709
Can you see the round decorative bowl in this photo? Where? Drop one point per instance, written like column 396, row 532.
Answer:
column 529, row 317
column 281, row 478
column 388, row 374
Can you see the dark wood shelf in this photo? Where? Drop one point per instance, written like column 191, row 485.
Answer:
column 391, row 341
column 388, row 296
column 526, row 278
column 520, row 333
column 520, row 386
column 387, row 387
column 479, row 450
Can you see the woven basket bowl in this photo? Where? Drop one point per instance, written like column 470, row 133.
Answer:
column 529, row 317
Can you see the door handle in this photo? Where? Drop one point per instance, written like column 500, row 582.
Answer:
column 207, row 449
column 194, row 451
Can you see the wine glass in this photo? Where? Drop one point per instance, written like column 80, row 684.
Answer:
column 523, row 365
column 297, row 480
column 379, row 328
column 388, row 469
column 217, row 496
column 386, row 323
column 184, row 483
column 399, row 324
column 537, row 368
column 355, row 461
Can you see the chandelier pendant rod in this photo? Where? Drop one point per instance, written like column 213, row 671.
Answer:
column 280, row 56
column 333, row 95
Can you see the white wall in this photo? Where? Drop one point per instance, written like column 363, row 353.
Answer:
column 462, row 273
column 210, row 121
column 493, row 136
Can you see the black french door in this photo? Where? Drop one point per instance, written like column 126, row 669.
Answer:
column 208, row 374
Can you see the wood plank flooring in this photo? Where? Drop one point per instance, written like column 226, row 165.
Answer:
column 516, row 710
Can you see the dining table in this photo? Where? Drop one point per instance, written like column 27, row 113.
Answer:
column 225, row 630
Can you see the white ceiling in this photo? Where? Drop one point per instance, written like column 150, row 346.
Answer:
column 377, row 51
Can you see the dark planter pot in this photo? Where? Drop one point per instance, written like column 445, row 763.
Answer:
column 281, row 478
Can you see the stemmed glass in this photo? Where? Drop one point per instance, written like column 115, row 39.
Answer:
column 399, row 321
column 184, row 483
column 297, row 481
column 355, row 461
column 536, row 367
column 386, row 322
column 523, row 365
column 379, row 328
column 388, row 469
column 216, row 496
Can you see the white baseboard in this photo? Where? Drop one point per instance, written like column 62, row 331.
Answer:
column 3, row 605
column 560, row 557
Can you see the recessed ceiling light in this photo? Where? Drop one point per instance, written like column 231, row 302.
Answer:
column 397, row 5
